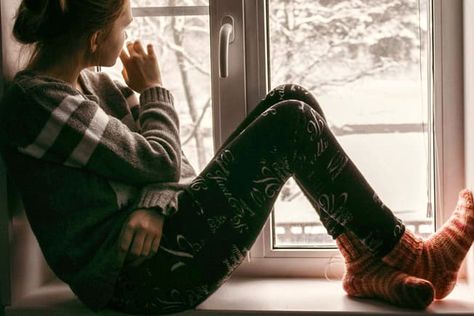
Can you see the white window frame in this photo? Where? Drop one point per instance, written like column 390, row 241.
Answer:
column 468, row 19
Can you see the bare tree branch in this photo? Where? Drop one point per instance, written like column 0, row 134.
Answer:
column 188, row 58
column 197, row 124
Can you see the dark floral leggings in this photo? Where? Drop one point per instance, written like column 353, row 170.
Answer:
column 221, row 213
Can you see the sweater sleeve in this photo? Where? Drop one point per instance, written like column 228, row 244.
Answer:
column 57, row 124
column 131, row 97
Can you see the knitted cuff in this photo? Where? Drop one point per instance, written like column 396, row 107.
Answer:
column 155, row 94
column 162, row 201
column 407, row 249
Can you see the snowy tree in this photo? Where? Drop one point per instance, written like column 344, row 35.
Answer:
column 321, row 44
column 327, row 43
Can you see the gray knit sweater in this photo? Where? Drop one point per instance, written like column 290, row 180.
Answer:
column 83, row 163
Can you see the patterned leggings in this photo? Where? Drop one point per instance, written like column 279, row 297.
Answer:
column 223, row 210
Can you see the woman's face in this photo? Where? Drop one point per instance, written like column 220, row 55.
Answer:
column 111, row 46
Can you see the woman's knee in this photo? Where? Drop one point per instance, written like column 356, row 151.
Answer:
column 291, row 91
column 291, row 87
column 290, row 120
column 291, row 110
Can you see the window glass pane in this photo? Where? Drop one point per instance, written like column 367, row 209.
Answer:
column 367, row 63
column 182, row 47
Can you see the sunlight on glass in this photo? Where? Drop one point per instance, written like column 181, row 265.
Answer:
column 367, row 64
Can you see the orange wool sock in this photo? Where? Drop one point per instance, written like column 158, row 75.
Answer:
column 438, row 258
column 368, row 277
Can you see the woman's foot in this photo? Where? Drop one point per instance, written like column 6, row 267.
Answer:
column 367, row 276
column 438, row 258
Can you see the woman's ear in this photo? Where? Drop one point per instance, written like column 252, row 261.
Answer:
column 94, row 42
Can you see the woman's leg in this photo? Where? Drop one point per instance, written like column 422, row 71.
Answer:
column 428, row 259
column 225, row 207
column 281, row 93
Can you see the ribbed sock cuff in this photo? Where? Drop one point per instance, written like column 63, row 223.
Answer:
column 408, row 249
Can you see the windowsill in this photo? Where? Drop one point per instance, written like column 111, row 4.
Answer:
column 251, row 296
column 318, row 297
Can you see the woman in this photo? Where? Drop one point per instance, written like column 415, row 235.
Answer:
column 120, row 214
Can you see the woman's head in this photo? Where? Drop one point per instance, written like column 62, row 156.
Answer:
column 60, row 28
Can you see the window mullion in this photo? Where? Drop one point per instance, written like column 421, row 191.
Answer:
column 228, row 94
column 448, row 105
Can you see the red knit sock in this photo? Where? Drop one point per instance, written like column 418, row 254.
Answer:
column 438, row 258
column 368, row 277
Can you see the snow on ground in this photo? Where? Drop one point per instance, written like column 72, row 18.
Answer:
column 394, row 164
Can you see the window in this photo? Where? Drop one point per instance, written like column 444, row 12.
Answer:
column 408, row 88
column 389, row 89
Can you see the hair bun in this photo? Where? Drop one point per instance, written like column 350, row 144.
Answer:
column 30, row 20
column 35, row 6
column 39, row 6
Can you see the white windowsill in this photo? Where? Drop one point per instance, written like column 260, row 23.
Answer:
column 251, row 296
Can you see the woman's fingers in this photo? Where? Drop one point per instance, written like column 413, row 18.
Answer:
column 139, row 48
column 138, row 241
column 147, row 245
column 151, row 50
column 141, row 235
column 131, row 49
column 126, row 237
column 156, row 244
column 124, row 57
column 136, row 49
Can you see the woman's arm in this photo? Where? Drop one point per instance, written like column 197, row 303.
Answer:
column 61, row 125
column 132, row 100
column 53, row 122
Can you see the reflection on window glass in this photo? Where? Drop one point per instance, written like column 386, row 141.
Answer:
column 367, row 63
column 182, row 47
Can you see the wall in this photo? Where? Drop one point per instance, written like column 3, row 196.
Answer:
column 22, row 266
column 469, row 110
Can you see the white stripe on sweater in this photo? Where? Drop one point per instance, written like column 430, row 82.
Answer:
column 92, row 137
column 50, row 132
column 132, row 100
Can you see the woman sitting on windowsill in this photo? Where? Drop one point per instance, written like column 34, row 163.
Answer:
column 120, row 214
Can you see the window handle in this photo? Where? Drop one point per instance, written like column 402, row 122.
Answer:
column 226, row 36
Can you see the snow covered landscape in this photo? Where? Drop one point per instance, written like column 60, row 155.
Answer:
column 366, row 61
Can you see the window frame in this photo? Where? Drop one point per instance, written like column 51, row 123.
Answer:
column 247, row 84
column 447, row 88
column 468, row 20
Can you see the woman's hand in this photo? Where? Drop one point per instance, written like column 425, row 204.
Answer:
column 141, row 69
column 141, row 235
